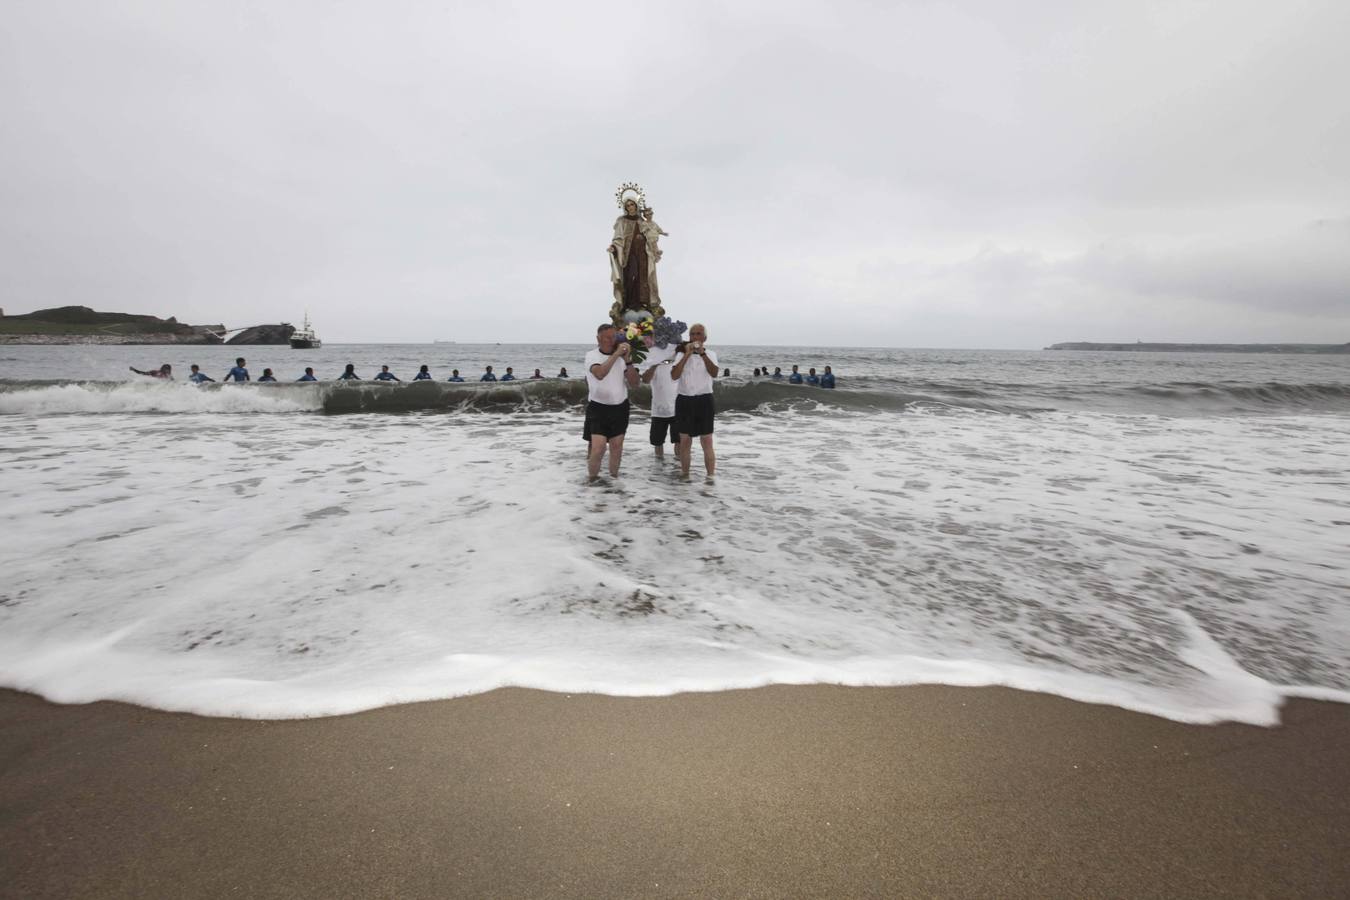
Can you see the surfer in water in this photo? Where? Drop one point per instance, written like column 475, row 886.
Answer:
column 238, row 373
column 165, row 371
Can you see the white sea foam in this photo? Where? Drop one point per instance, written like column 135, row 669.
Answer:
column 150, row 397
column 268, row 566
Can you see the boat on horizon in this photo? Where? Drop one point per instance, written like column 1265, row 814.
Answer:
column 305, row 338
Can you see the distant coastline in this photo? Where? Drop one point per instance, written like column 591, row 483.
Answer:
column 1141, row 347
column 82, row 325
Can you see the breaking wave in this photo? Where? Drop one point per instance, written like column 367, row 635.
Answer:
column 861, row 394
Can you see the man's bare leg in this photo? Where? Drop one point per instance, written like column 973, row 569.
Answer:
column 686, row 447
column 709, row 457
column 615, row 455
column 596, row 454
column 660, row 450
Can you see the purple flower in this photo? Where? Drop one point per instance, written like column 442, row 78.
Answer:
column 667, row 331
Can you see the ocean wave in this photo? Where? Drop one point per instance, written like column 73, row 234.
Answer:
column 1272, row 393
column 862, row 394
column 57, row 398
column 94, row 397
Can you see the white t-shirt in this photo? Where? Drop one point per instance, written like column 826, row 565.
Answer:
column 611, row 389
column 663, row 390
column 696, row 379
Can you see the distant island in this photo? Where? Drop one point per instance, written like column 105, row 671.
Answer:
column 1141, row 347
column 82, row 325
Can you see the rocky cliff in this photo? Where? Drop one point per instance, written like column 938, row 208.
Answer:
column 82, row 325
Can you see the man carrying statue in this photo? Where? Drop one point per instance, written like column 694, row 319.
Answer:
column 633, row 254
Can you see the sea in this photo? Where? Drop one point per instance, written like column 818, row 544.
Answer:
column 1162, row 532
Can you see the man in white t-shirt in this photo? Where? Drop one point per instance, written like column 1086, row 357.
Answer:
column 693, row 372
column 608, row 376
column 656, row 372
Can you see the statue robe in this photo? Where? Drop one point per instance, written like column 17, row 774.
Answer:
column 633, row 264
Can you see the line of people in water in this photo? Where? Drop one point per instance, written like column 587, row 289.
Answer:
column 424, row 374
column 240, row 374
column 825, row 380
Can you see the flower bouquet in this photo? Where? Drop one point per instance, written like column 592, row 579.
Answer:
column 639, row 336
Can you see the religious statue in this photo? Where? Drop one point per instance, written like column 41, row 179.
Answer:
column 633, row 255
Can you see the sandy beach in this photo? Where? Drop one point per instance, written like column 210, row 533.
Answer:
column 781, row 791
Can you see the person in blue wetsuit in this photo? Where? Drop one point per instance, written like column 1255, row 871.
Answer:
column 349, row 374
column 238, row 373
column 509, row 376
column 812, row 378
column 267, row 376
column 795, row 377
column 308, row 376
column 198, row 376
column 454, row 376
column 827, row 380
column 423, row 374
column 488, row 376
column 386, row 375
column 777, row 373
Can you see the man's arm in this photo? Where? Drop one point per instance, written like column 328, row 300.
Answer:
column 709, row 364
column 600, row 370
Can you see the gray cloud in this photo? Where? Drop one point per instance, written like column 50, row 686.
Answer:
column 980, row 175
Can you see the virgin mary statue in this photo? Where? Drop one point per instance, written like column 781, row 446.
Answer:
column 633, row 254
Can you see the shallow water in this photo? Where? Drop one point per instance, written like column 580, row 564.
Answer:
column 237, row 551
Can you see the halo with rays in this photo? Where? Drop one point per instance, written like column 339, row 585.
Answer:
column 627, row 188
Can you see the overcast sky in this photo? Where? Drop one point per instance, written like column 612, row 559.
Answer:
column 896, row 174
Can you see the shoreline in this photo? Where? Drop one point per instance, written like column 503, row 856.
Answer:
column 811, row 790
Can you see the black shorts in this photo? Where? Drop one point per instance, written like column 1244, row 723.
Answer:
column 694, row 415
column 609, row 420
column 660, row 427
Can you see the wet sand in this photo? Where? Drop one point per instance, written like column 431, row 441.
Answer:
column 812, row 791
